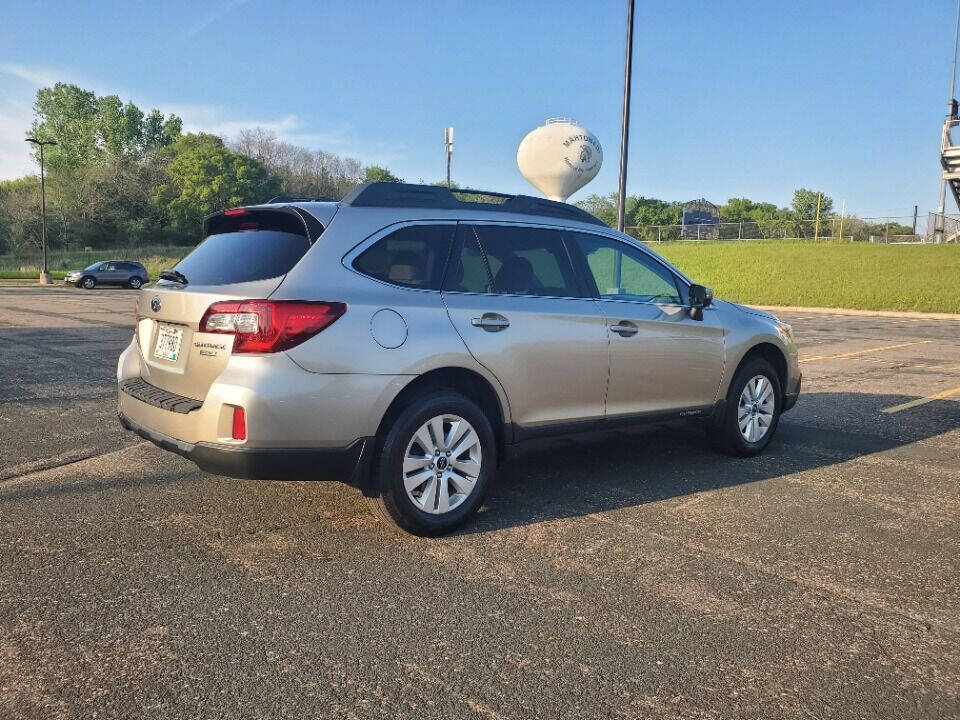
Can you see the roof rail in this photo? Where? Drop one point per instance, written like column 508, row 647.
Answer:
column 404, row 195
column 293, row 198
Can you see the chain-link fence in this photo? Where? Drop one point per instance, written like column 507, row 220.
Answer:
column 943, row 228
column 877, row 230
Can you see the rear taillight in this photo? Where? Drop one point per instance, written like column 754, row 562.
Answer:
column 266, row 326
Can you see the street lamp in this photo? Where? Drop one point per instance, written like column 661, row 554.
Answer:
column 45, row 274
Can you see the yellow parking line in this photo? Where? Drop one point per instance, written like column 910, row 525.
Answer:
column 922, row 401
column 864, row 352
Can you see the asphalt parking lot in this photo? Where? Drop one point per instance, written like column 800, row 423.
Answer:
column 637, row 575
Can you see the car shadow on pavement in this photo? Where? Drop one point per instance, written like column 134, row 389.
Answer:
column 606, row 472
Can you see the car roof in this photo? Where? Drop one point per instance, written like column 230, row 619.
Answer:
column 405, row 201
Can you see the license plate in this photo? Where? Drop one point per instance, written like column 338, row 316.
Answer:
column 168, row 343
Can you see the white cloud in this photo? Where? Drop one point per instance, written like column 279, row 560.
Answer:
column 39, row 77
column 16, row 116
column 223, row 9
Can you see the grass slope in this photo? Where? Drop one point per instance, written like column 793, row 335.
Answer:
column 844, row 275
column 923, row 278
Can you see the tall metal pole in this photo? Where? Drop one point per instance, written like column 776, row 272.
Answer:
column 625, row 127
column 953, row 71
column 45, row 278
column 45, row 274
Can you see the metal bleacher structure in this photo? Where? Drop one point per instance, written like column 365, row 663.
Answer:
column 945, row 228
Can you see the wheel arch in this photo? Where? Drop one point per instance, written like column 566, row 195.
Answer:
column 467, row 382
column 772, row 354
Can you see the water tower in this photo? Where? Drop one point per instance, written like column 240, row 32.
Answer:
column 559, row 157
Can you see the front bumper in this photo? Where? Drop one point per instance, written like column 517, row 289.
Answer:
column 790, row 398
column 347, row 464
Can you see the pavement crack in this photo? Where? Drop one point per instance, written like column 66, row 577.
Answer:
column 22, row 471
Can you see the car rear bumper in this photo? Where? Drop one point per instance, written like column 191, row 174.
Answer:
column 345, row 464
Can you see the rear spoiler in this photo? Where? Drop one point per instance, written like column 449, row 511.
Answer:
column 312, row 227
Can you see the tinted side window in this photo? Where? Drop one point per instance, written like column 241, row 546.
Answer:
column 413, row 256
column 527, row 261
column 468, row 270
column 641, row 278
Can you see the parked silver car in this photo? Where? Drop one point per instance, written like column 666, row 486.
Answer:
column 406, row 340
column 125, row 273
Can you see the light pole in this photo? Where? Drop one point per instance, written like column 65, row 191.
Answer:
column 45, row 273
column 625, row 128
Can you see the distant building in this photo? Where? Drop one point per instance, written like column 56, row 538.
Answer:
column 700, row 219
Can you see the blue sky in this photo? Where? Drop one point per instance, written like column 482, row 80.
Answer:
column 746, row 98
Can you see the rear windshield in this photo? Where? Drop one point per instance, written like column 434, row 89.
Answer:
column 243, row 248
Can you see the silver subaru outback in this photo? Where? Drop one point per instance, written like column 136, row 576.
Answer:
column 407, row 339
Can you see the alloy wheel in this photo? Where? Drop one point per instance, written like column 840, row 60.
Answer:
column 441, row 464
column 756, row 407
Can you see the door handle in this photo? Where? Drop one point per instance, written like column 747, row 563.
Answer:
column 624, row 328
column 491, row 322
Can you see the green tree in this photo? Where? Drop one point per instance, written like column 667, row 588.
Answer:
column 805, row 204
column 159, row 132
column 375, row 173
column 20, row 215
column 638, row 210
column 89, row 129
column 601, row 206
column 69, row 115
column 205, row 176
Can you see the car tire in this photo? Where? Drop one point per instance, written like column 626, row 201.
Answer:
column 751, row 414
column 414, row 476
column 134, row 283
column 87, row 283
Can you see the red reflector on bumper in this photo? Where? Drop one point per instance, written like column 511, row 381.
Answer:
column 239, row 424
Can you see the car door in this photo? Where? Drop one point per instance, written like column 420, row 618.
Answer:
column 108, row 274
column 513, row 296
column 125, row 271
column 661, row 359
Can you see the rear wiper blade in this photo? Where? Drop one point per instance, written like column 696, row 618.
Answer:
column 174, row 276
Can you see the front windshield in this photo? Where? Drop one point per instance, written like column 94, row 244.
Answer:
column 92, row 267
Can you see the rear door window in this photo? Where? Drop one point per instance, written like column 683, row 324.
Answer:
column 527, row 261
column 414, row 256
column 247, row 246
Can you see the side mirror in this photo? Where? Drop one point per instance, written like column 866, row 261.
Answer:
column 700, row 297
